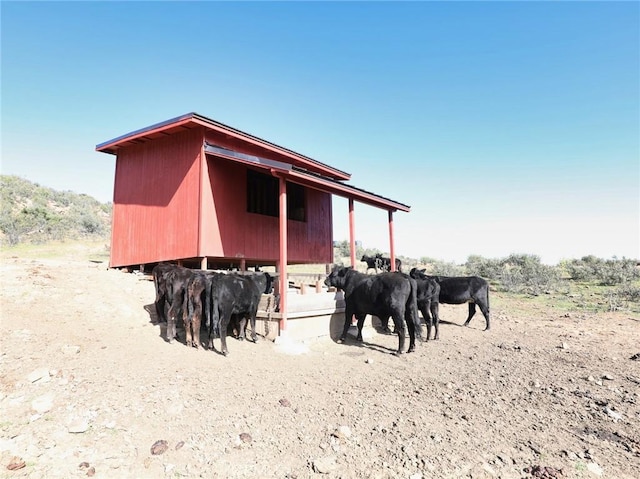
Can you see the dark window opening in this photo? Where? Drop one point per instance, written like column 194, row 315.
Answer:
column 263, row 197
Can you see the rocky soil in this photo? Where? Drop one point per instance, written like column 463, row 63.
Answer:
column 89, row 388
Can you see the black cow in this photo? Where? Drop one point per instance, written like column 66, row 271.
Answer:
column 427, row 299
column 463, row 289
column 379, row 262
column 236, row 294
column 381, row 295
column 198, row 305
column 176, row 281
column 385, row 263
column 159, row 274
column 372, row 262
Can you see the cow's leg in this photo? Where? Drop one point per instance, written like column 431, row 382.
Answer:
column 224, row 324
column 360, row 319
column 411, row 326
column 427, row 319
column 254, row 335
column 384, row 322
column 241, row 324
column 435, row 306
column 195, row 325
column 188, row 315
column 397, row 321
column 348, row 314
column 212, row 329
column 472, row 311
column 187, row 328
column 485, row 312
column 160, row 300
column 171, row 323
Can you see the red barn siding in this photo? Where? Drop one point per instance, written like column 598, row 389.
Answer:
column 156, row 200
column 229, row 231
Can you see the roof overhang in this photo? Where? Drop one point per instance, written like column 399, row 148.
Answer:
column 312, row 180
column 194, row 120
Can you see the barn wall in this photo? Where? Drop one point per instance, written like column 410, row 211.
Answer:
column 231, row 232
column 156, row 200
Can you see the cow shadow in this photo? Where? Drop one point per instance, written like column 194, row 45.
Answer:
column 154, row 320
column 181, row 338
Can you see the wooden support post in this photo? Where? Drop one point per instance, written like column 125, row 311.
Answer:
column 243, row 264
column 203, row 263
column 284, row 281
column 319, row 286
column 352, row 234
column 392, row 248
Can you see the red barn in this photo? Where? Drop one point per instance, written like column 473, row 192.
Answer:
column 194, row 190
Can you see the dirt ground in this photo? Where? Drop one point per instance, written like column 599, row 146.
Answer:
column 89, row 387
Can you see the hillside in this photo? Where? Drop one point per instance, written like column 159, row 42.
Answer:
column 30, row 213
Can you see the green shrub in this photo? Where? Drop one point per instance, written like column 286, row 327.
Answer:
column 607, row 272
column 35, row 214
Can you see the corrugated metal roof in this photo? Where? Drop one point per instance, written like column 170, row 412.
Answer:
column 331, row 179
column 303, row 176
column 192, row 120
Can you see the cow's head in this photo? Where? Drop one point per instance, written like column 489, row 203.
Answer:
column 269, row 283
column 337, row 277
column 416, row 273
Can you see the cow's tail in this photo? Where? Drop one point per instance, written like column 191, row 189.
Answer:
column 213, row 321
column 190, row 309
column 207, row 305
column 412, row 308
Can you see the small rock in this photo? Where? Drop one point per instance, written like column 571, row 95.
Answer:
column 91, row 471
column 564, row 345
column 591, row 379
column 79, row 426
column 635, row 357
column 16, row 463
column 342, row 432
column 417, row 475
column 368, row 361
column 159, row 447
column 594, row 468
column 616, row 416
column 325, row 465
column 608, row 377
column 43, row 403
column 179, row 445
column 245, row 437
column 284, row 402
column 70, row 350
column 40, row 374
column 489, row 470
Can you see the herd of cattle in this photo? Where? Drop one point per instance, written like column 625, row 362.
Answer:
column 228, row 302
column 223, row 300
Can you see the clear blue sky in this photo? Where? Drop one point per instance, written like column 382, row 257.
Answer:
column 508, row 127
